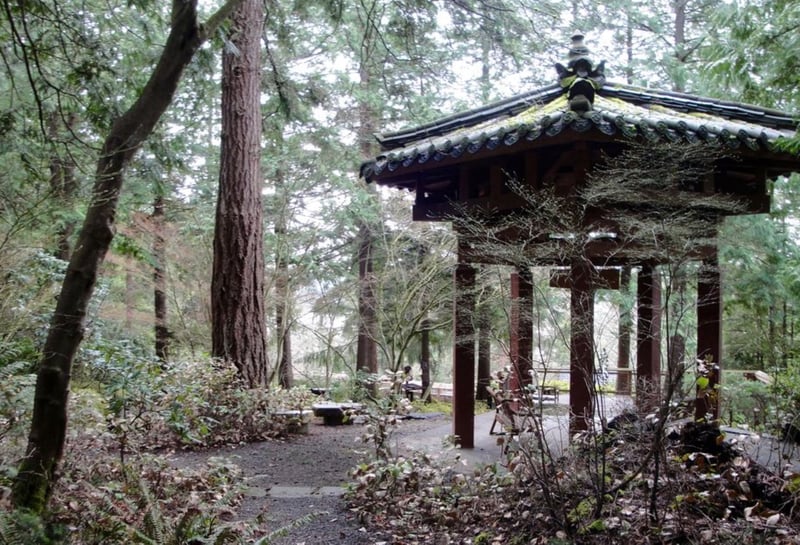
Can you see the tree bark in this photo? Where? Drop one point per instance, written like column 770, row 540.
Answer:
column 130, row 292
column 283, row 294
column 160, row 280
column 680, row 37
column 367, row 351
column 63, row 184
column 367, row 356
column 237, row 285
column 33, row 484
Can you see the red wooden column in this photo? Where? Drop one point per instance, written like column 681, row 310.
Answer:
column 709, row 334
column 648, row 338
column 464, row 355
column 624, row 339
column 521, row 328
column 581, row 357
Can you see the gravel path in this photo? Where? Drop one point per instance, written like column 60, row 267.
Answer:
column 295, row 484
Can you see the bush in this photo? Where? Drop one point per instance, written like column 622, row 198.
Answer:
column 16, row 405
column 748, row 403
column 148, row 501
column 23, row 528
column 193, row 404
column 786, row 390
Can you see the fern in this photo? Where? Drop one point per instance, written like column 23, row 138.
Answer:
column 153, row 518
column 15, row 395
column 22, row 528
column 193, row 526
column 284, row 530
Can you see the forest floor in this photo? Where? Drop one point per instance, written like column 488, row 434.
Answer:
column 295, row 484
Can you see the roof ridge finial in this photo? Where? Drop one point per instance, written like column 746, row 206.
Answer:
column 580, row 76
column 577, row 49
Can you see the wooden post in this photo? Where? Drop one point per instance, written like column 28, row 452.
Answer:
column 648, row 338
column 521, row 328
column 581, row 361
column 484, row 355
column 425, row 359
column 624, row 340
column 709, row 335
column 464, row 356
column 583, row 279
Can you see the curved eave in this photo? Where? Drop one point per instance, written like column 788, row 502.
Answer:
column 613, row 115
column 692, row 103
column 498, row 110
column 635, row 95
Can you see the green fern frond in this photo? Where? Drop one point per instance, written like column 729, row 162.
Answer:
column 153, row 522
column 284, row 530
column 22, row 528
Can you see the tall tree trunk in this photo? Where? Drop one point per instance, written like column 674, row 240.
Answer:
column 130, row 292
column 237, row 284
column 33, row 484
column 367, row 354
column 160, row 279
column 680, row 38
column 63, row 184
column 282, row 288
column 486, row 83
column 629, row 49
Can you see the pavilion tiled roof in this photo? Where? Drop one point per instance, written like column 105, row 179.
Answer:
column 618, row 109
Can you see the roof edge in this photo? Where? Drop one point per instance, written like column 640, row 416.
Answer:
column 508, row 106
column 637, row 95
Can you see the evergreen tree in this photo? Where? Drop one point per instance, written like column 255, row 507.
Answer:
column 237, row 284
column 125, row 136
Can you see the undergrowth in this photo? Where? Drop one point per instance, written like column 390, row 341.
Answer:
column 114, row 484
column 708, row 493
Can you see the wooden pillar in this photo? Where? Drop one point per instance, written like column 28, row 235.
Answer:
column 648, row 338
column 624, row 338
column 581, row 359
column 484, row 355
column 521, row 328
column 425, row 359
column 464, row 356
column 709, row 335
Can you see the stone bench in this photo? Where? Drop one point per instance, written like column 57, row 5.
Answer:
column 298, row 420
column 334, row 414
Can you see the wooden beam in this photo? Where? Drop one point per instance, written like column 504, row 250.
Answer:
column 602, row 279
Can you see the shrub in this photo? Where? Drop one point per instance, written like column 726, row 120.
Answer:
column 16, row 405
column 747, row 403
column 148, row 501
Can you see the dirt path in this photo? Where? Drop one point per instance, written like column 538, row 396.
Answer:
column 296, row 484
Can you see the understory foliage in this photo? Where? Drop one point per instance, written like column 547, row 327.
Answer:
column 150, row 502
column 711, row 492
column 116, row 482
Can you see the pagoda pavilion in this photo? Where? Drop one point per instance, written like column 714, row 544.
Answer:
column 492, row 162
